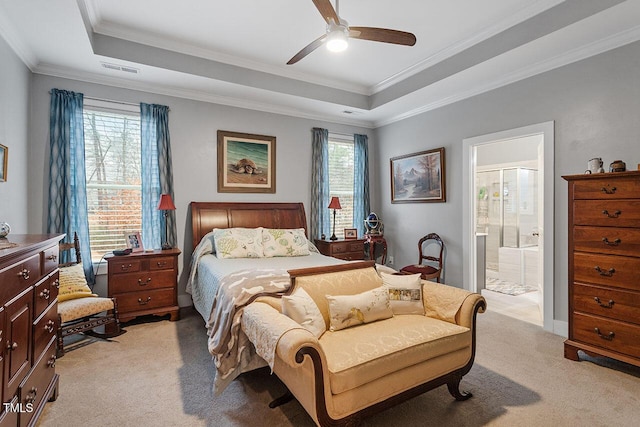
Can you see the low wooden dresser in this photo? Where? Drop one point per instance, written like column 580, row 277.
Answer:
column 349, row 250
column 604, row 266
column 28, row 324
column 145, row 283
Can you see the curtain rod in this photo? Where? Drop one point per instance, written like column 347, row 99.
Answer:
column 93, row 98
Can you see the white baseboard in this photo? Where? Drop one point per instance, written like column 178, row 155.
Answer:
column 561, row 328
column 184, row 300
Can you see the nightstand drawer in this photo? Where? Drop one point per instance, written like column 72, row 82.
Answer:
column 350, row 256
column 132, row 282
column 145, row 300
column 161, row 263
column 124, row 266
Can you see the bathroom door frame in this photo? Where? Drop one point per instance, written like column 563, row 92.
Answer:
column 546, row 238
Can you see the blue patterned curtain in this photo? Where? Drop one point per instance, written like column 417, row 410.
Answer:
column 320, row 217
column 361, row 203
column 67, row 182
column 157, row 175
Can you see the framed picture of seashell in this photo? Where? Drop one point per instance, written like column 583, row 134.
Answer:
column 246, row 163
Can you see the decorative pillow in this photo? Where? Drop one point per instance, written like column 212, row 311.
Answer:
column 352, row 310
column 405, row 293
column 73, row 284
column 284, row 242
column 299, row 306
column 238, row 242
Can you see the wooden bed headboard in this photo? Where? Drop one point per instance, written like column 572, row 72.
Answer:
column 205, row 216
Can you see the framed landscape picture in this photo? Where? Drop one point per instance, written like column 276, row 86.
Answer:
column 418, row 177
column 4, row 160
column 246, row 163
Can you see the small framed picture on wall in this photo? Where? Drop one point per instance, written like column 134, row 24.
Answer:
column 4, row 159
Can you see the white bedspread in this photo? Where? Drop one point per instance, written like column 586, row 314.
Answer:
column 228, row 345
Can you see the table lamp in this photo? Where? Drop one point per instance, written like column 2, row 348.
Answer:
column 334, row 204
column 166, row 205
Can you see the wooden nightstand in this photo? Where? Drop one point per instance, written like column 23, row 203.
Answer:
column 344, row 249
column 144, row 283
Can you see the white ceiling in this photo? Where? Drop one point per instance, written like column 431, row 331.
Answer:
column 234, row 52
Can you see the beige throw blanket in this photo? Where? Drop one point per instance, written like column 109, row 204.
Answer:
column 228, row 344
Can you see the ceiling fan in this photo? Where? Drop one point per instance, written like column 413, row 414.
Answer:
column 339, row 31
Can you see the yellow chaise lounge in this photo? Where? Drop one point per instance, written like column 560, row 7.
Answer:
column 367, row 359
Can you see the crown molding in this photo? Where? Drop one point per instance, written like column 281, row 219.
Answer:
column 10, row 35
column 520, row 16
column 196, row 95
column 586, row 51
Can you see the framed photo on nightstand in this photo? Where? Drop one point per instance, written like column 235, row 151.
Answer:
column 350, row 233
column 134, row 242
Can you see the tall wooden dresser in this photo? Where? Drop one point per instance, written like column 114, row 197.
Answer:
column 28, row 324
column 604, row 266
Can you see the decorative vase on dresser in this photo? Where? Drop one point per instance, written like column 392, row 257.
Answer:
column 28, row 324
column 604, row 266
column 144, row 283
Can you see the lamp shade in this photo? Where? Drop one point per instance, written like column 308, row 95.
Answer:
column 166, row 204
column 335, row 203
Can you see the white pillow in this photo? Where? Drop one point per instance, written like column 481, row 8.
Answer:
column 300, row 307
column 405, row 293
column 238, row 242
column 352, row 310
column 284, row 242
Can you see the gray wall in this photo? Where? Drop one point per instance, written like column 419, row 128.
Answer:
column 14, row 113
column 595, row 104
column 193, row 126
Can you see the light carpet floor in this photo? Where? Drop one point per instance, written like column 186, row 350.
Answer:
column 160, row 374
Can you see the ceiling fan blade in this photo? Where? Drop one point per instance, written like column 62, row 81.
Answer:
column 308, row 49
column 326, row 10
column 382, row 35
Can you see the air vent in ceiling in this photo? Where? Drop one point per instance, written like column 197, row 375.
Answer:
column 122, row 68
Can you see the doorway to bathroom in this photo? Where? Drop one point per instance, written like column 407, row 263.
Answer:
column 507, row 193
column 507, row 212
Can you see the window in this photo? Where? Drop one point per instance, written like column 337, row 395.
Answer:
column 341, row 170
column 112, row 162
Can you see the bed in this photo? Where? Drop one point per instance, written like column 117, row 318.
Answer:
column 220, row 287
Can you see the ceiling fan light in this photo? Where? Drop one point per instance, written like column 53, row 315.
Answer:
column 337, row 41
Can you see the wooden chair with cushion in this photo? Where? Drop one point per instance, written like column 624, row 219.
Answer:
column 79, row 309
column 424, row 267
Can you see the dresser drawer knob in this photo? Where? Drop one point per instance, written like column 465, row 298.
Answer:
column 614, row 243
column 141, row 302
column 31, row 396
column 161, row 263
column 45, row 294
column 607, row 191
column 609, row 305
column 52, row 258
column 602, row 272
column 52, row 361
column 24, row 274
column 607, row 337
column 145, row 283
column 125, row 267
column 56, row 283
column 50, row 326
column 12, row 346
column 616, row 214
